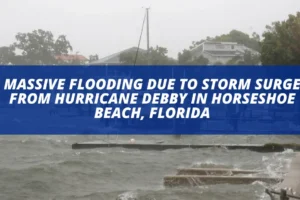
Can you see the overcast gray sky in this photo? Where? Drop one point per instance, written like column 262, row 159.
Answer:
column 107, row 26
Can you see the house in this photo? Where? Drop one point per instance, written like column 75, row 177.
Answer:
column 221, row 52
column 114, row 59
column 72, row 59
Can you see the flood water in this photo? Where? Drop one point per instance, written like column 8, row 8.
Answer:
column 45, row 167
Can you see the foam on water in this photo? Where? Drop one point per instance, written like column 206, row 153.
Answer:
column 127, row 196
column 65, row 174
column 278, row 163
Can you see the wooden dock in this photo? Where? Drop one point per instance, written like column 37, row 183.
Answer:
column 196, row 180
column 164, row 146
column 287, row 187
column 212, row 176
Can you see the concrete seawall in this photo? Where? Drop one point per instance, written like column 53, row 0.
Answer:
column 164, row 146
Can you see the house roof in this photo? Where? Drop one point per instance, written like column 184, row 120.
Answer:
column 115, row 58
column 71, row 57
column 216, row 42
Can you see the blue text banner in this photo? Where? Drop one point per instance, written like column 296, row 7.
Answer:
column 150, row 99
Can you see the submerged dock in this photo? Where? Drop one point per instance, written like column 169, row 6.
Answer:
column 287, row 187
column 196, row 180
column 160, row 146
column 190, row 177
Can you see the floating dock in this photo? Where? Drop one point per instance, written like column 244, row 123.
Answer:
column 197, row 180
column 160, row 146
column 211, row 176
column 286, row 188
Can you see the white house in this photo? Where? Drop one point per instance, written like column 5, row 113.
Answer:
column 220, row 51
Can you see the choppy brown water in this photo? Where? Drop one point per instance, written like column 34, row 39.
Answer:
column 45, row 167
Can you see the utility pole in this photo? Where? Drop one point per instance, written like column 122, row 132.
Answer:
column 148, row 42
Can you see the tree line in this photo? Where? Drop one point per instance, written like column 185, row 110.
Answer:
column 279, row 45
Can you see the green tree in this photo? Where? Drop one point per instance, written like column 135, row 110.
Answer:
column 251, row 59
column 218, row 63
column 200, row 60
column 157, row 55
column 235, row 60
column 241, row 38
column 40, row 47
column 281, row 45
column 186, row 58
column 247, row 59
column 235, row 36
column 7, row 55
column 129, row 58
